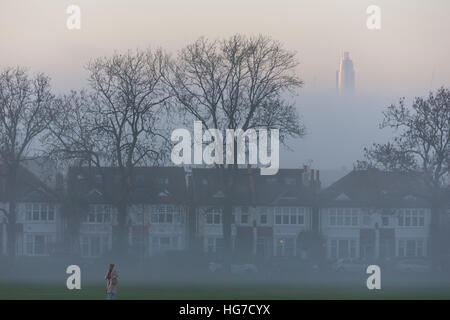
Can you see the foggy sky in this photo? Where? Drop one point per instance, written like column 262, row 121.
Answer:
column 407, row 57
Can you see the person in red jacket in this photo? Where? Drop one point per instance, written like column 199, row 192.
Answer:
column 111, row 282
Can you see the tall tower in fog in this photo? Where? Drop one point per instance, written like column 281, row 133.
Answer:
column 345, row 77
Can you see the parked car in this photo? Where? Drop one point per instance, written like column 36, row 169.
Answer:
column 413, row 265
column 294, row 265
column 238, row 268
column 348, row 265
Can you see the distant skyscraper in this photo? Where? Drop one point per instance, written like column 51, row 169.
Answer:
column 345, row 77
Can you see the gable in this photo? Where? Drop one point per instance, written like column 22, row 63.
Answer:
column 342, row 197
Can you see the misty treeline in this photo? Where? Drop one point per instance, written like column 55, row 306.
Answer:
column 131, row 103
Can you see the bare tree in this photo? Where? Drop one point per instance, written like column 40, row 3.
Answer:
column 237, row 83
column 422, row 145
column 120, row 122
column 25, row 114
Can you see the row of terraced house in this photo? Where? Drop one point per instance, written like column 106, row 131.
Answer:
column 367, row 214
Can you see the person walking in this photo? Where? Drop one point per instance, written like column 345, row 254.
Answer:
column 111, row 282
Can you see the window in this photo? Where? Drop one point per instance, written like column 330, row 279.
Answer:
column 39, row 212
column 278, row 219
column 343, row 217
column 384, row 221
column 411, row 218
column 216, row 217
column 263, row 219
column 285, row 218
column 340, row 217
column 36, row 211
column 293, row 219
column 98, row 213
column 28, row 212
column 167, row 215
column 244, row 218
column 294, row 216
column 411, row 248
column 38, row 244
column 342, row 248
column 213, row 217
column 332, row 216
column 51, row 212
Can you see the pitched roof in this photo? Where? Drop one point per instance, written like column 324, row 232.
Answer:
column 29, row 187
column 286, row 188
column 375, row 188
column 148, row 184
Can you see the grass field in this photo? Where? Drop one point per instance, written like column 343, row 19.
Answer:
column 192, row 291
column 47, row 280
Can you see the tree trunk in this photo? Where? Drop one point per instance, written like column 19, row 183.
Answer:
column 11, row 194
column 434, row 236
column 11, row 230
column 121, row 243
column 226, row 229
column 228, row 177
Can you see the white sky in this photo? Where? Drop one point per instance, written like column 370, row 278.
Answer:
column 408, row 56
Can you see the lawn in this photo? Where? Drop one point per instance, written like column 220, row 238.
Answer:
column 23, row 290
